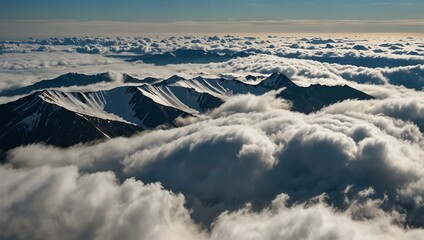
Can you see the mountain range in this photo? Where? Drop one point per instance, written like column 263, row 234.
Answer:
column 63, row 119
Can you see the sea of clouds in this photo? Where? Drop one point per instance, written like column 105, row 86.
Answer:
column 250, row 169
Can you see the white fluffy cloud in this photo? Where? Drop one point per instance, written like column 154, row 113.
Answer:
column 250, row 169
column 53, row 203
column 25, row 62
column 314, row 221
column 231, row 158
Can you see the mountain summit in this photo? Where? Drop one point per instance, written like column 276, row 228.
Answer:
column 67, row 118
column 276, row 81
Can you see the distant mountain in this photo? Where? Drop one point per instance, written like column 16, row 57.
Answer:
column 71, row 79
column 314, row 97
column 67, row 118
column 304, row 99
column 184, row 56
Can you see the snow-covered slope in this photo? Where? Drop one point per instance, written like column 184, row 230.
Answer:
column 34, row 119
column 184, row 98
column 66, row 118
column 120, row 104
column 75, row 79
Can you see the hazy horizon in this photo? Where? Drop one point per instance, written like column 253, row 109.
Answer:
column 24, row 18
column 22, row 29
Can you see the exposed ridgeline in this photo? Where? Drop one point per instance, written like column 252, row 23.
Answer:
column 66, row 118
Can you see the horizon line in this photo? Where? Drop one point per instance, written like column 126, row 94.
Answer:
column 12, row 29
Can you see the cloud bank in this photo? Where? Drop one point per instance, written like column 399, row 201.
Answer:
column 95, row 206
column 51, row 203
column 393, row 60
column 367, row 167
column 250, row 169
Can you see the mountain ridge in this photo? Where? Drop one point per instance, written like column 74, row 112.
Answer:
column 74, row 79
column 48, row 115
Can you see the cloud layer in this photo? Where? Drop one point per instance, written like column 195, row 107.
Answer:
column 250, row 169
column 396, row 61
column 232, row 158
column 95, row 206
column 51, row 203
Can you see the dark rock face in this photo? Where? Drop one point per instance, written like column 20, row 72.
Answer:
column 32, row 120
column 67, row 80
column 65, row 119
column 151, row 113
column 315, row 97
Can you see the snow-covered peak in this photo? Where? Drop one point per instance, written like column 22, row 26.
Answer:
column 94, row 104
column 173, row 79
column 72, row 80
column 276, row 81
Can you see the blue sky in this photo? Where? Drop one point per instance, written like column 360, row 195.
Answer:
column 28, row 18
column 208, row 10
